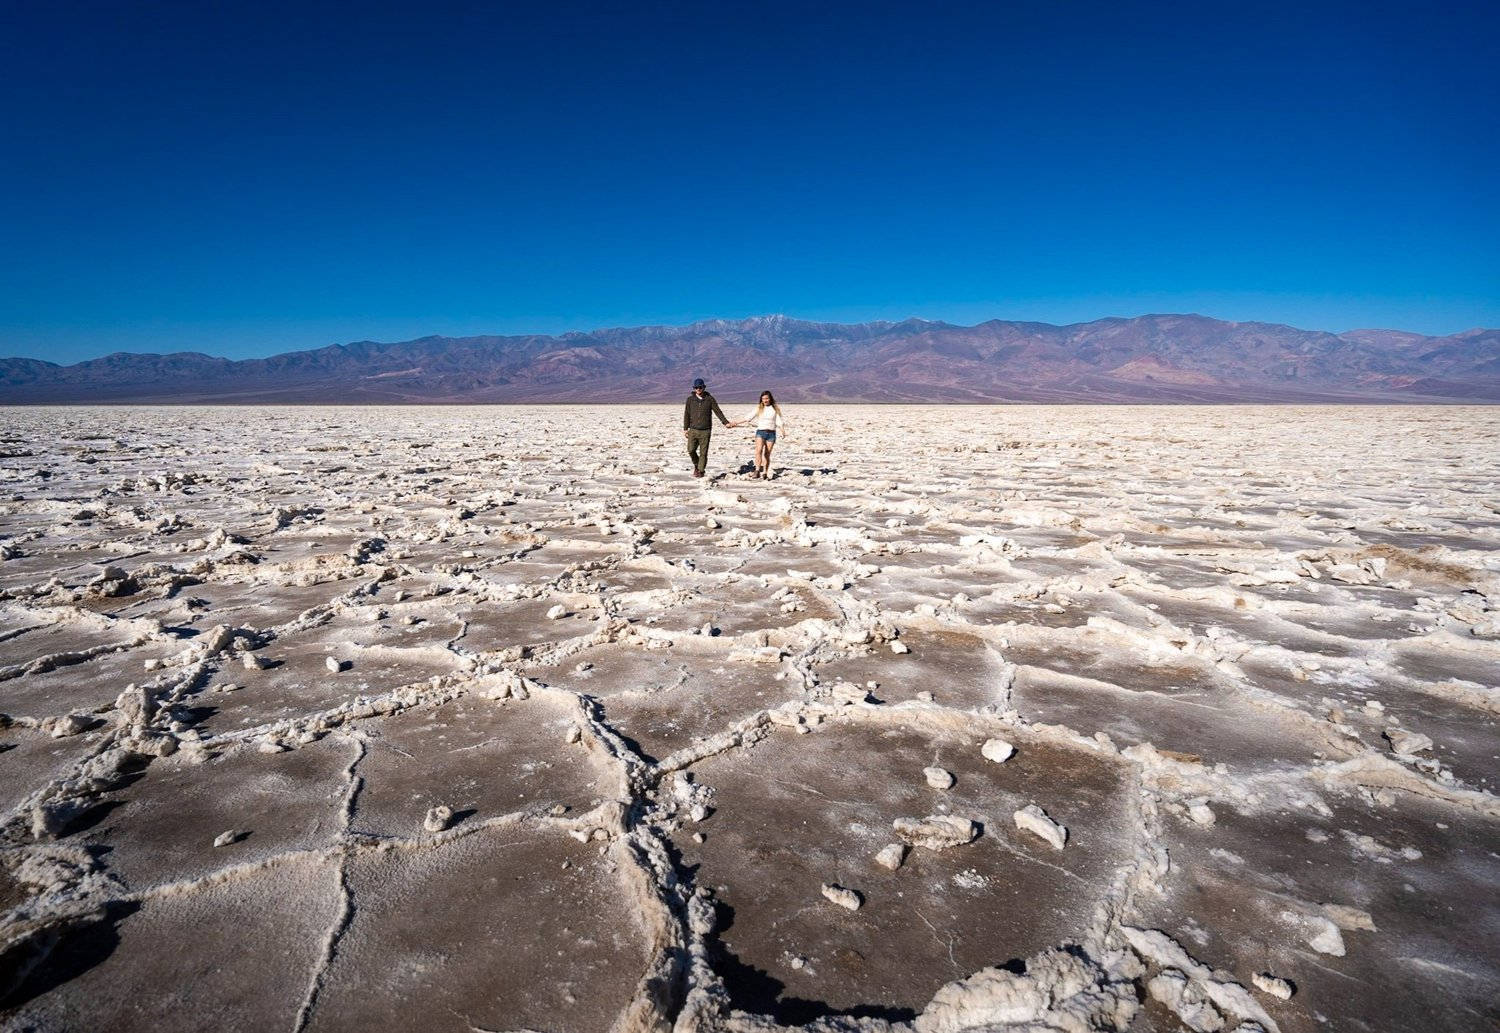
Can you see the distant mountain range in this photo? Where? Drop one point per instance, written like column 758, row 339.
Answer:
column 1157, row 358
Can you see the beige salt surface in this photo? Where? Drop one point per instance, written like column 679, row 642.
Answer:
column 960, row 670
column 159, row 826
column 1403, row 884
column 226, row 955
column 796, row 811
column 481, row 758
column 663, row 700
column 504, row 929
column 297, row 681
column 30, row 759
column 463, row 717
column 87, row 684
column 493, row 626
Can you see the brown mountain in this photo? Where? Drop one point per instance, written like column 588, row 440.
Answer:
column 1156, row 358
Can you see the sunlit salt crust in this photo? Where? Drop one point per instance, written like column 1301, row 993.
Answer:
column 970, row 718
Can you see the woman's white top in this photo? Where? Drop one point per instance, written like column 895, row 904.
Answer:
column 769, row 419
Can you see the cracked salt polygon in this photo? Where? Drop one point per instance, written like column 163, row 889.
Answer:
column 939, row 778
column 936, row 831
column 841, row 896
column 892, row 855
column 1033, row 819
column 438, row 818
column 997, row 750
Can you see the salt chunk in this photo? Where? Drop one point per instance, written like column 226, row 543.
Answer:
column 253, row 662
column 1407, row 742
column 936, row 831
column 334, row 664
column 848, row 694
column 66, row 725
column 997, row 750
column 1201, row 813
column 1272, row 985
column 573, row 734
column 557, row 612
column 939, row 778
column 438, row 818
column 898, row 647
column 1324, row 937
column 1187, row 1000
column 1033, row 819
column 225, row 838
column 842, row 897
column 892, row 855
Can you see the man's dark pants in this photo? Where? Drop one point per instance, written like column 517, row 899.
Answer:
column 697, row 441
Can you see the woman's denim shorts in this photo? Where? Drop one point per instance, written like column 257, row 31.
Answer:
column 766, row 435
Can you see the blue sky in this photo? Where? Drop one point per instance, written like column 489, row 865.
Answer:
column 243, row 179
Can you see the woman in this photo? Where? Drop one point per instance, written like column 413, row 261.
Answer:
column 768, row 423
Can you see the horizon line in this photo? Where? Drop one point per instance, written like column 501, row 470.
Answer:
column 748, row 319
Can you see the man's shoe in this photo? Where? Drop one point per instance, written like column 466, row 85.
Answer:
column 697, row 473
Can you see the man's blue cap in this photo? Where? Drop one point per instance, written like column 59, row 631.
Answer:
column 699, row 383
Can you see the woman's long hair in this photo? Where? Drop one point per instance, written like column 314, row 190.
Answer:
column 760, row 406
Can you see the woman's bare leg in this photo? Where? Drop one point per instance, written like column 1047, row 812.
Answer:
column 769, row 445
column 760, row 454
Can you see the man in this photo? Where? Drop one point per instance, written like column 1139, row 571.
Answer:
column 698, row 424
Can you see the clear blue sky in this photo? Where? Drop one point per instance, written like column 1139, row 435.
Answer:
column 248, row 178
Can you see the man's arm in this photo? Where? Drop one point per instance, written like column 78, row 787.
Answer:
column 686, row 408
column 722, row 418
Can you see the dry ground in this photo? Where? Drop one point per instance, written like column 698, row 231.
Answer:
column 1249, row 657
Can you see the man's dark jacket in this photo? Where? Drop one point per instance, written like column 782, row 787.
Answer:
column 698, row 413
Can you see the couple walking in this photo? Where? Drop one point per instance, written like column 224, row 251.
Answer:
column 698, row 427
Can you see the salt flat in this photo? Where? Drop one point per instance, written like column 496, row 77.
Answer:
column 496, row 719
